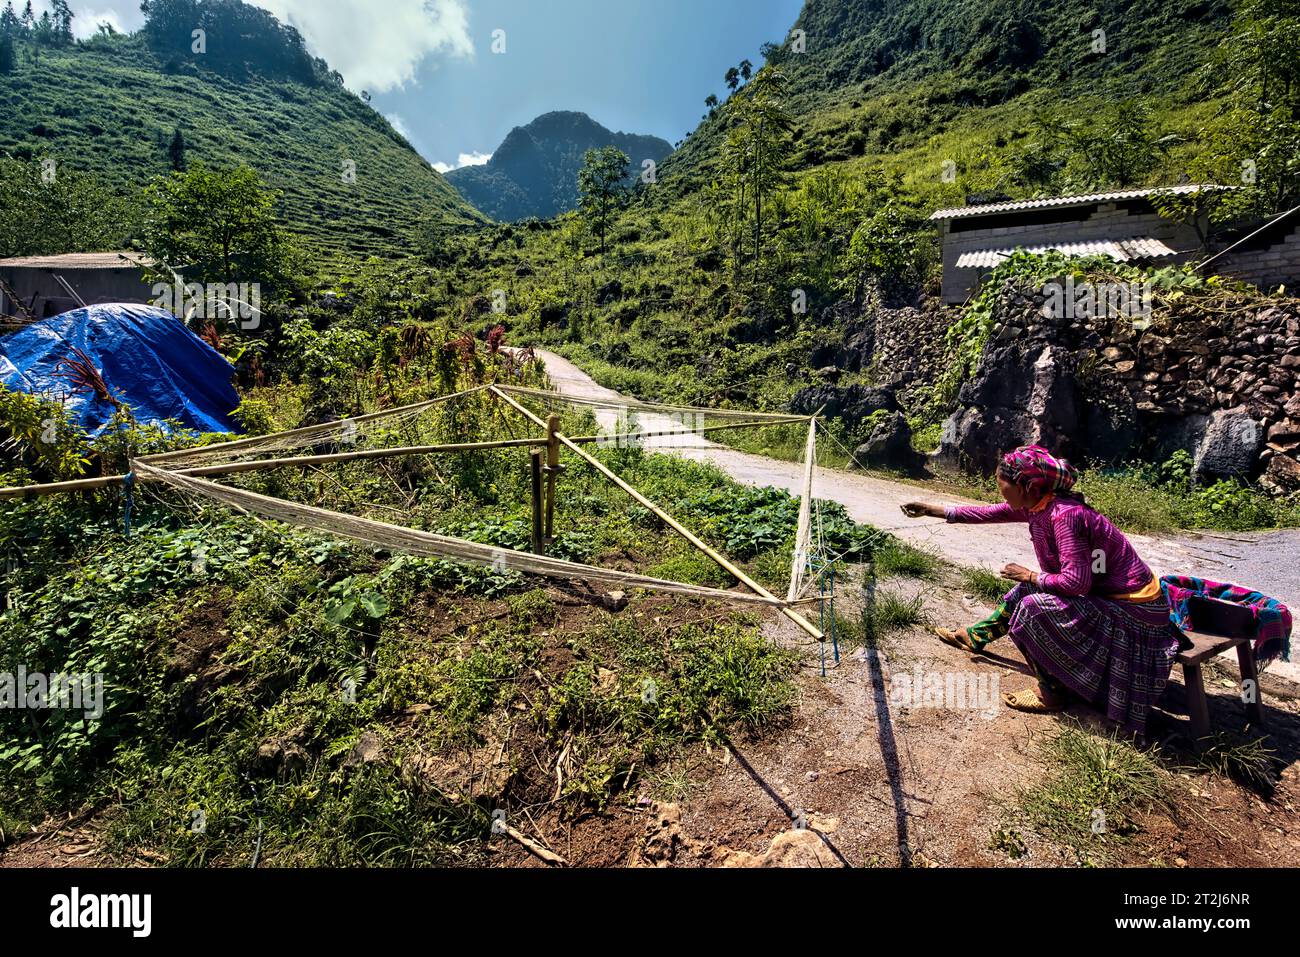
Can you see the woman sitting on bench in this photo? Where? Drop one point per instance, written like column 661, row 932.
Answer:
column 1094, row 621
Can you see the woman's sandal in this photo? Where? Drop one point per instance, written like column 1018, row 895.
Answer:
column 958, row 639
column 1031, row 701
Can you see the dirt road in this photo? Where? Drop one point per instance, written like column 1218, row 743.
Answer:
column 1267, row 561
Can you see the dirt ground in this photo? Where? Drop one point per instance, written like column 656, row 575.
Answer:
column 857, row 780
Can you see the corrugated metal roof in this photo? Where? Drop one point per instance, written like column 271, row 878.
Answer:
column 76, row 261
column 1017, row 205
column 1121, row 250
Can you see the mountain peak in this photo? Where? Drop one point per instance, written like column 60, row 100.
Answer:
column 534, row 172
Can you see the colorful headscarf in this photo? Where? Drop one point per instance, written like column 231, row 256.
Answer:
column 1038, row 470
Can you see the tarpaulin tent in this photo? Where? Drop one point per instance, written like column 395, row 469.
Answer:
column 147, row 357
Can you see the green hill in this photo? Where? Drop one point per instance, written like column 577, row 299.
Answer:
column 910, row 82
column 110, row 107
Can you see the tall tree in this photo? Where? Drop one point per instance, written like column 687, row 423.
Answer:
column 600, row 187
column 8, row 59
column 216, row 226
column 176, row 151
column 757, row 148
column 61, row 22
column 733, row 79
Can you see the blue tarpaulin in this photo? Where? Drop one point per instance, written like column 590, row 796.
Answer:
column 148, row 358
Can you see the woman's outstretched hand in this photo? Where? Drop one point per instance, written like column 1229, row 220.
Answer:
column 922, row 509
column 1017, row 573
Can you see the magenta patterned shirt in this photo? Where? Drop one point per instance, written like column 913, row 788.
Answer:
column 1079, row 551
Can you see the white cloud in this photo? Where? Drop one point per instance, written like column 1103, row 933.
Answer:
column 378, row 47
column 85, row 22
column 464, row 159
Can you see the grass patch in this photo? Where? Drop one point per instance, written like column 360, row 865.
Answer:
column 693, row 568
column 891, row 613
column 984, row 584
column 1249, row 762
column 1098, row 784
column 899, row 558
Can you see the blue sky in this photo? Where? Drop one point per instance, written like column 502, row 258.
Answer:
column 640, row 66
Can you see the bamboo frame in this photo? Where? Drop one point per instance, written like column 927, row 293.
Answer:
column 229, row 468
column 308, row 430
column 800, row 558
column 667, row 519
column 543, row 477
column 634, row 404
column 588, row 439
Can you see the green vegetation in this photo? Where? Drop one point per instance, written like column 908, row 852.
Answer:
column 984, row 584
column 1097, row 786
column 1249, row 761
column 264, row 681
column 600, row 188
column 220, row 225
column 898, row 558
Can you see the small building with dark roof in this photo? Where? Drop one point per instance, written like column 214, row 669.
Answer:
column 41, row 286
column 1122, row 224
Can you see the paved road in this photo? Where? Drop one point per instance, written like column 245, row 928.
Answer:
column 1268, row 561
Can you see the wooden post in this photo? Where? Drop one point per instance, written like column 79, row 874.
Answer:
column 1250, row 690
column 535, row 467
column 552, row 470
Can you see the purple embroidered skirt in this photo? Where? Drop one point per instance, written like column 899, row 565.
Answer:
column 1116, row 655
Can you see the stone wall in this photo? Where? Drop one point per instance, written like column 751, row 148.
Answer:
column 901, row 347
column 1212, row 375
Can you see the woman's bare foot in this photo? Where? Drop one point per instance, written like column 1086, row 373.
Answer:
column 1033, row 700
column 960, row 638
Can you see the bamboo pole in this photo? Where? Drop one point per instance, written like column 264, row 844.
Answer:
column 75, row 485
column 620, row 436
column 228, row 468
column 224, row 468
column 307, row 430
column 671, row 522
column 636, row 404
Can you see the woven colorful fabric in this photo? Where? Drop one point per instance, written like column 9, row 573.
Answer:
column 1272, row 618
column 1038, row 470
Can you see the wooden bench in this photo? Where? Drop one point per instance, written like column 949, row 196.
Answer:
column 1222, row 625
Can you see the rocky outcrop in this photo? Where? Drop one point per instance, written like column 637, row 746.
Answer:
column 1024, row 391
column 889, row 445
column 853, row 404
column 902, row 347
